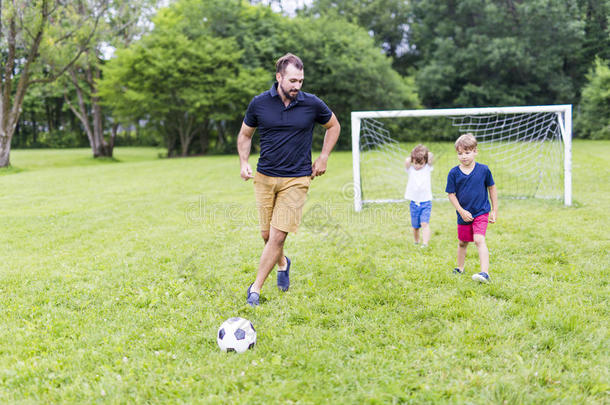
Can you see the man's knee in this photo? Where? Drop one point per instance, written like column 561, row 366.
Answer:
column 277, row 237
column 462, row 244
column 265, row 235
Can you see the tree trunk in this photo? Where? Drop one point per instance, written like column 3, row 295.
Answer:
column 104, row 148
column 95, row 129
column 204, row 139
column 5, row 150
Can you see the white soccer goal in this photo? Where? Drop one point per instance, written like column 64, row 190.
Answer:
column 528, row 150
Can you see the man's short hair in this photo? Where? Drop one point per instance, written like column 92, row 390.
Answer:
column 419, row 154
column 466, row 142
column 288, row 59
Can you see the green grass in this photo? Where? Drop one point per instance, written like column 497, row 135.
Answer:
column 115, row 277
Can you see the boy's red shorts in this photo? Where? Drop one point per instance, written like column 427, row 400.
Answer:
column 478, row 225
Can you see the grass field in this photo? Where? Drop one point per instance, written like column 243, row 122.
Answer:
column 115, row 276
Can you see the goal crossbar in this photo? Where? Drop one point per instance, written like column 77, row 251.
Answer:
column 564, row 119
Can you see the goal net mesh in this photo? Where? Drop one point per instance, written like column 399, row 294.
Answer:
column 523, row 150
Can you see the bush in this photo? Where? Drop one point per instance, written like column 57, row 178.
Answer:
column 593, row 120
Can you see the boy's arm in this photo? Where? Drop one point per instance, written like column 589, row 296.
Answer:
column 493, row 196
column 466, row 215
column 430, row 158
column 408, row 163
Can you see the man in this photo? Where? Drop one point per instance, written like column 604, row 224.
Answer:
column 285, row 117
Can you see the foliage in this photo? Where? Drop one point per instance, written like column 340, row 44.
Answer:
column 179, row 83
column 116, row 296
column 489, row 52
column 387, row 21
column 39, row 40
column 593, row 120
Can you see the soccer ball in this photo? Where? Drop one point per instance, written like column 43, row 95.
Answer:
column 236, row 335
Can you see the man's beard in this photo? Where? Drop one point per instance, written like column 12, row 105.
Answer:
column 288, row 95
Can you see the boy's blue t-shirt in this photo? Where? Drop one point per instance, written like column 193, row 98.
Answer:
column 286, row 133
column 471, row 189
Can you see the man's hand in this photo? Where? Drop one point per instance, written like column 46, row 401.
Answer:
column 319, row 166
column 466, row 216
column 246, row 171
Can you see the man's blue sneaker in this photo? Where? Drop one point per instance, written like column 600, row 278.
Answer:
column 481, row 277
column 283, row 277
column 458, row 271
column 253, row 297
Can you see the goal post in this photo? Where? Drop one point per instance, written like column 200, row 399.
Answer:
column 529, row 149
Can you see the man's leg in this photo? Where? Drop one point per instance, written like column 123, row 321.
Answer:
column 273, row 250
column 281, row 263
column 479, row 241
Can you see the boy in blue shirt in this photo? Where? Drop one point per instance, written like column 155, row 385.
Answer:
column 468, row 185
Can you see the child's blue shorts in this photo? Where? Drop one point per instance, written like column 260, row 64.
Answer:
column 420, row 213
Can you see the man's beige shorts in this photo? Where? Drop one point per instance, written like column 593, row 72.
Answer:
column 280, row 201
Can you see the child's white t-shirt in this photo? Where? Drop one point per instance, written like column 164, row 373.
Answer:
column 419, row 186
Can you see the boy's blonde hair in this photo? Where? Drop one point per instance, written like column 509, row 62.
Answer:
column 419, row 154
column 466, row 142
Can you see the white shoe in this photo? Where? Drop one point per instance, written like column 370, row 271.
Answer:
column 481, row 277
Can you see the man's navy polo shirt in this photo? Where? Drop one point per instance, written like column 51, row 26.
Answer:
column 286, row 133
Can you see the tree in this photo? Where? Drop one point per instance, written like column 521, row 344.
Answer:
column 593, row 120
column 496, row 52
column 387, row 21
column 30, row 33
column 122, row 23
column 180, row 83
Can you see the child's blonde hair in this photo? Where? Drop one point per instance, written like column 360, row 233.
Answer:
column 419, row 154
column 466, row 142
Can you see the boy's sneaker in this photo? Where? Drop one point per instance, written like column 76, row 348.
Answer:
column 458, row 271
column 283, row 277
column 481, row 277
column 252, row 297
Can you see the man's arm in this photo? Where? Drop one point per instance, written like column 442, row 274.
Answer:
column 493, row 196
column 333, row 129
column 244, row 143
column 408, row 162
column 466, row 215
column 430, row 158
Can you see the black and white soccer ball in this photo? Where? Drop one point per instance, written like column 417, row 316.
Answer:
column 236, row 335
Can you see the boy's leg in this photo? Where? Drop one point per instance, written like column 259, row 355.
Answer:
column 414, row 210
column 461, row 254
column 479, row 228
column 424, row 219
column 416, row 235
column 479, row 241
column 425, row 231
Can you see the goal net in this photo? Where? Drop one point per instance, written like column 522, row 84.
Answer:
column 528, row 149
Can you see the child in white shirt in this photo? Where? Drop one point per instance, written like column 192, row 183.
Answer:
column 419, row 191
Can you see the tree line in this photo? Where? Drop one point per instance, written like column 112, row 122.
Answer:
column 99, row 73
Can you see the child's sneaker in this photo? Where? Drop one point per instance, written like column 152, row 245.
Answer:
column 458, row 271
column 252, row 297
column 481, row 277
column 283, row 277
